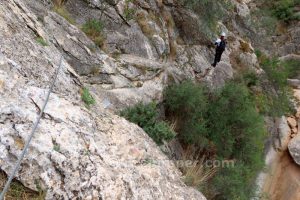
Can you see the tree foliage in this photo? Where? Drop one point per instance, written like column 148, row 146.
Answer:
column 278, row 100
column 225, row 120
column 282, row 9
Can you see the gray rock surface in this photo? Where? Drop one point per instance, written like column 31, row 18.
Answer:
column 288, row 42
column 295, row 83
column 76, row 153
column 90, row 154
column 218, row 75
column 284, row 132
column 294, row 148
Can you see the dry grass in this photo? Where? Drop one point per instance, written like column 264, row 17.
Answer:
column 143, row 23
column 196, row 173
column 95, row 70
column 167, row 17
column 17, row 191
column 62, row 11
column 59, row 3
column 174, row 124
column 94, row 30
column 282, row 28
column 245, row 47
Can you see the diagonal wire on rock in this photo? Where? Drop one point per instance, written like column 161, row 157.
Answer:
column 17, row 166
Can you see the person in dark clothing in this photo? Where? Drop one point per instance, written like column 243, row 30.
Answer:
column 220, row 48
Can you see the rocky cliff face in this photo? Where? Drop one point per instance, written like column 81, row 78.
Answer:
column 76, row 152
column 94, row 154
column 161, row 43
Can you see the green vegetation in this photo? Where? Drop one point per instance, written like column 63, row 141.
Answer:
column 62, row 11
column 56, row 147
column 210, row 12
column 229, row 125
column 188, row 103
column 237, row 131
column 41, row 41
column 285, row 9
column 250, row 78
column 87, row 98
column 59, row 3
column 292, row 68
column 277, row 102
column 94, row 29
column 273, row 16
column 129, row 13
column 146, row 116
column 20, row 192
column 224, row 122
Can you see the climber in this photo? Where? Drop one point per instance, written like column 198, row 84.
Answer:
column 220, row 48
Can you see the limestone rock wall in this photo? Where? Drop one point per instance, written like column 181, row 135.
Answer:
column 76, row 152
column 92, row 154
column 159, row 44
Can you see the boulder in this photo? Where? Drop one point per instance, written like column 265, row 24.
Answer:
column 294, row 148
column 295, row 83
column 248, row 60
column 281, row 134
column 131, row 41
column 159, row 44
column 218, row 75
column 242, row 9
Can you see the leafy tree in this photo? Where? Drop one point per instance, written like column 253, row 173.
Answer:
column 230, row 124
column 277, row 73
column 188, row 102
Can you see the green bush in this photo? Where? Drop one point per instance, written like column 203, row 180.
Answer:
column 292, row 67
column 250, row 78
column 277, row 74
column 282, row 9
column 160, row 131
column 87, row 98
column 188, row 102
column 236, row 183
column 285, row 9
column 229, row 125
column 233, row 120
column 94, row 29
column 147, row 117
